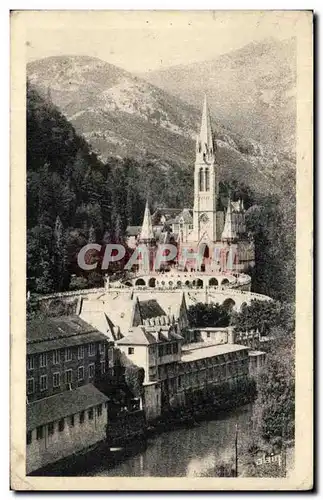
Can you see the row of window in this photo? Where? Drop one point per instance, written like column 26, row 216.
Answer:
column 56, row 355
column 162, row 349
column 68, row 378
column 40, row 431
column 216, row 374
column 167, row 349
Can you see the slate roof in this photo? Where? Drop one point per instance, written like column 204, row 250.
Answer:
column 142, row 335
column 133, row 230
column 50, row 345
column 150, row 309
column 62, row 405
column 41, row 329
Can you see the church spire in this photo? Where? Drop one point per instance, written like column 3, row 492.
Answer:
column 206, row 129
column 204, row 144
column 228, row 233
column 146, row 233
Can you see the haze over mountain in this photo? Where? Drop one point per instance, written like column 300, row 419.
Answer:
column 252, row 89
column 122, row 115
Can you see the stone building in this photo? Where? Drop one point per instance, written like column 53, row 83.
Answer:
column 63, row 353
column 66, row 413
column 64, row 424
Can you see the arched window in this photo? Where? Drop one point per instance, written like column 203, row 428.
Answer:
column 213, row 282
column 229, row 304
column 152, row 282
column 207, row 180
column 140, row 282
column 201, row 183
column 199, row 283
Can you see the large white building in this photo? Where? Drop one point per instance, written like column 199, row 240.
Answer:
column 204, row 228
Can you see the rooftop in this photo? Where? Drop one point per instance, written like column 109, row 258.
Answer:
column 50, row 345
column 192, row 353
column 61, row 405
column 256, row 353
column 50, row 328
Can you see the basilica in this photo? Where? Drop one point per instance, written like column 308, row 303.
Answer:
column 219, row 233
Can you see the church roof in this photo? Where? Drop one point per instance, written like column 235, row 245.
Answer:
column 168, row 213
column 133, row 230
column 186, row 215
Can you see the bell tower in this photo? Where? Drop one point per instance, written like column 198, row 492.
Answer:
column 205, row 182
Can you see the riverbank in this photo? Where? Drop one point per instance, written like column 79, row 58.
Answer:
column 129, row 433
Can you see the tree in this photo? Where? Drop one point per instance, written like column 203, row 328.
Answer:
column 277, row 397
column 265, row 316
column 204, row 315
column 78, row 283
column 60, row 256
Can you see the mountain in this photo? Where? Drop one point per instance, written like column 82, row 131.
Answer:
column 122, row 115
column 252, row 89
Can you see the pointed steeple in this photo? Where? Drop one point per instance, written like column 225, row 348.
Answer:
column 228, row 233
column 206, row 129
column 146, row 233
column 204, row 143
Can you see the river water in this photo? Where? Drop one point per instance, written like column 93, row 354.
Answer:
column 188, row 452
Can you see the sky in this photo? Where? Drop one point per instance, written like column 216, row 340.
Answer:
column 141, row 41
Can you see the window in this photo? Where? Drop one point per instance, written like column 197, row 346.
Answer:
column 90, row 414
column 68, row 354
column 80, row 373
column 99, row 410
column 201, row 183
column 102, row 367
column 160, row 350
column 56, row 357
column 91, row 350
column 61, row 425
column 208, row 334
column 56, row 380
column 82, row 417
column 43, row 360
column 175, row 348
column 68, row 377
column 39, row 433
column 51, row 429
column 30, row 362
column 72, row 421
column 207, row 180
column 131, row 350
column 102, row 348
column 91, row 371
column 168, row 349
column 29, row 437
column 80, row 352
column 30, row 386
column 43, row 382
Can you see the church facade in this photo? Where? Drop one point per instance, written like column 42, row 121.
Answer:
column 218, row 237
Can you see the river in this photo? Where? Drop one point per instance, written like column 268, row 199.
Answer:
column 187, row 452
